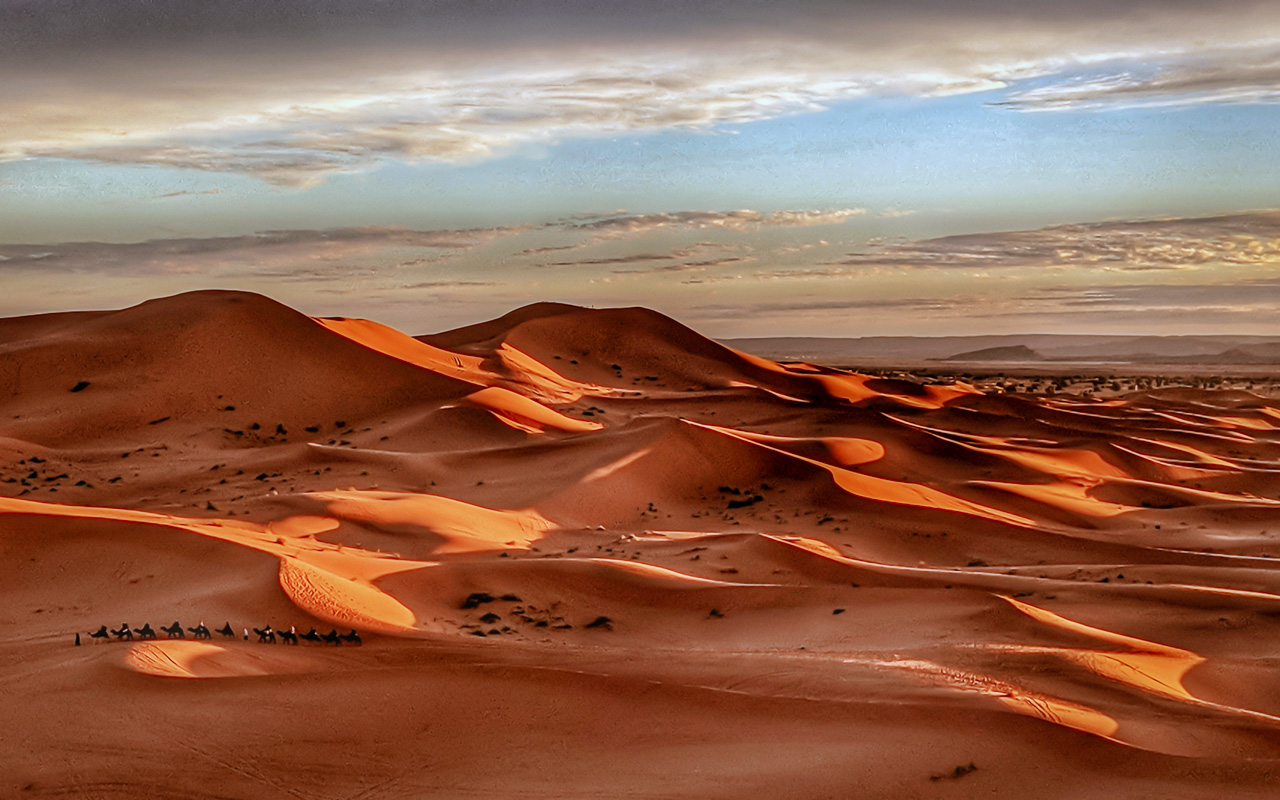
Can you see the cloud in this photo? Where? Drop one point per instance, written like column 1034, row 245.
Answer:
column 187, row 193
column 1233, row 76
column 785, row 307
column 296, row 136
column 332, row 254
column 291, row 254
column 1245, row 306
column 635, row 258
column 740, row 220
column 447, row 284
column 642, row 223
column 793, row 219
column 1260, row 294
column 556, row 248
column 278, row 162
column 699, row 252
column 1246, row 239
column 688, row 266
column 397, row 275
column 291, row 92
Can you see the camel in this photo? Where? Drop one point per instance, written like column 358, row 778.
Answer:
column 225, row 630
column 201, row 631
column 332, row 637
column 124, row 632
column 100, row 633
column 290, row 636
column 351, row 638
column 174, row 631
column 266, row 636
column 145, row 632
column 311, row 636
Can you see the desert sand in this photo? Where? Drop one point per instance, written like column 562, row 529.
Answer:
column 592, row 553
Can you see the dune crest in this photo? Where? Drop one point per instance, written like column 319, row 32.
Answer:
column 1031, row 704
column 526, row 414
column 344, row 599
column 897, row 492
column 464, row 527
column 189, row 659
column 328, row 581
column 392, row 342
column 1146, row 665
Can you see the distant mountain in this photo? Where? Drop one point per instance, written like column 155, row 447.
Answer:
column 1016, row 352
column 1147, row 348
column 1223, row 350
column 1254, row 354
column 906, row 348
column 1265, row 353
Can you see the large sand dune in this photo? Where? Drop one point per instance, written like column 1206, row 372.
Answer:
column 592, row 553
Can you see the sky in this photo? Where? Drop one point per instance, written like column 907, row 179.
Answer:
column 752, row 168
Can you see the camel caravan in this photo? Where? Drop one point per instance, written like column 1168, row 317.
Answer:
column 201, row 631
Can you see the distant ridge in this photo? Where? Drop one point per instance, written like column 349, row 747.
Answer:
column 1220, row 350
column 1264, row 354
column 1016, row 352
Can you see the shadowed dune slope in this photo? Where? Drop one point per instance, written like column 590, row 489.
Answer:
column 483, row 337
column 626, row 348
column 235, row 357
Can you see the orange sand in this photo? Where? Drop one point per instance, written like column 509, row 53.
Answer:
column 526, row 414
column 592, row 553
column 405, row 348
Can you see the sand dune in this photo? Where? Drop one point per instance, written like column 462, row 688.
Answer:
column 623, row 348
column 595, row 548
column 223, row 361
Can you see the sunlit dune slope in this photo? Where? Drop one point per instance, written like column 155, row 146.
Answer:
column 191, row 659
column 391, row 342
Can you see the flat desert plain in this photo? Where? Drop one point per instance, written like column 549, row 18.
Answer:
column 593, row 554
